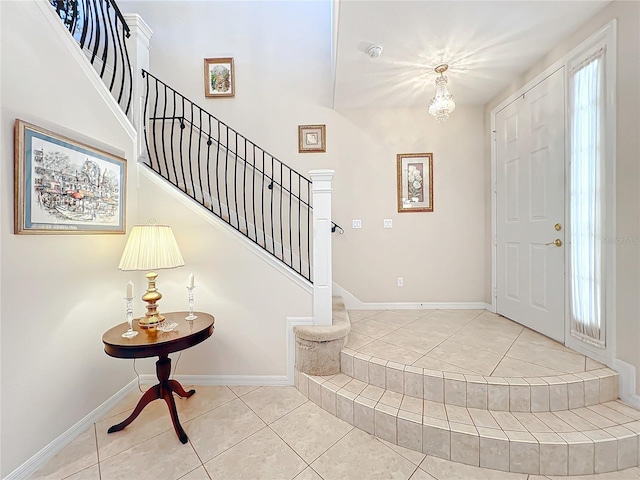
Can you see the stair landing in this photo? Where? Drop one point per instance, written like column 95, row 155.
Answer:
column 476, row 388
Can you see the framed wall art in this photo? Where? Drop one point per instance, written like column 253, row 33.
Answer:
column 219, row 77
column 312, row 138
column 62, row 186
column 415, row 182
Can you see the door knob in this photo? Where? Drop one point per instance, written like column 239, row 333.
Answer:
column 557, row 242
column 558, row 227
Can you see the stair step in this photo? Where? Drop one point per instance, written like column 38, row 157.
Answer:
column 515, row 394
column 601, row 437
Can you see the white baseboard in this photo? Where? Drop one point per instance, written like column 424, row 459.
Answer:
column 262, row 380
column 32, row 465
column 353, row 303
column 627, row 377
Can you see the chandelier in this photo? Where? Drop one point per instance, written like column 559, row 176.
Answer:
column 443, row 103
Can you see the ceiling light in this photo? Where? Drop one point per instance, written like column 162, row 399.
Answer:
column 443, row 103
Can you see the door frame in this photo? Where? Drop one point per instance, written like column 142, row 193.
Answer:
column 606, row 355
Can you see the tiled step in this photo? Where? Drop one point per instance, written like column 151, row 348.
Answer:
column 514, row 394
column 600, row 437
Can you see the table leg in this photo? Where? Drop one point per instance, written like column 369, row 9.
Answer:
column 163, row 390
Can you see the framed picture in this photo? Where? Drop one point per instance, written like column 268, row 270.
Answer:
column 312, row 138
column 219, row 77
column 62, row 186
column 415, row 182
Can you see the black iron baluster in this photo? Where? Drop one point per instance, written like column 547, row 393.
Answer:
column 145, row 118
column 155, row 142
column 244, row 187
column 299, row 226
column 226, row 176
column 217, row 171
column 193, row 187
column 253, row 193
column 184, row 180
column 198, row 158
column 264, row 228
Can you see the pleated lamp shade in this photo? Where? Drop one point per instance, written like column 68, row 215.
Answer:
column 151, row 247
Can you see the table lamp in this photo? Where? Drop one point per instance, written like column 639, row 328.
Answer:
column 151, row 247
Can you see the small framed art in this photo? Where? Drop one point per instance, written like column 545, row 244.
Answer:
column 415, row 182
column 62, row 186
column 219, row 77
column 312, row 138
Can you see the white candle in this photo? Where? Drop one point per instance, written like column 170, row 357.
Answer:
column 129, row 293
column 191, row 281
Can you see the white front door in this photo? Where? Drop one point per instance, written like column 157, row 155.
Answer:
column 530, row 206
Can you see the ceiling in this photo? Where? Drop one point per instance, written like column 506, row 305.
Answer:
column 487, row 44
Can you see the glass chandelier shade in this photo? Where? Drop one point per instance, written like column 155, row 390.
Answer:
column 443, row 103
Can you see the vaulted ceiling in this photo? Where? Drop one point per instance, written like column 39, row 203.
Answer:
column 486, row 44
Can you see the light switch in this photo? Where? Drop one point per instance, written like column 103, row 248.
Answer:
column 356, row 223
column 388, row 223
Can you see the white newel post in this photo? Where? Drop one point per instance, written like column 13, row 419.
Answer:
column 322, row 277
column 138, row 47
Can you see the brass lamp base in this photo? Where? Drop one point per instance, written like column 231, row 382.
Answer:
column 151, row 296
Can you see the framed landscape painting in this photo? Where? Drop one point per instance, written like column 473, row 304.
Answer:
column 415, row 182
column 62, row 186
column 219, row 77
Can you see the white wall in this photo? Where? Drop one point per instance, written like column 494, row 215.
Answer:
column 59, row 293
column 248, row 297
column 627, row 165
column 282, row 60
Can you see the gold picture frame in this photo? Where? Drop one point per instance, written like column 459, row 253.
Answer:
column 63, row 186
column 219, row 77
column 312, row 138
column 415, row 182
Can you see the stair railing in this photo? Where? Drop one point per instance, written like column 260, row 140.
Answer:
column 238, row 181
column 100, row 29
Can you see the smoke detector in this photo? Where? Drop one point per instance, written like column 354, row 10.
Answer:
column 374, row 51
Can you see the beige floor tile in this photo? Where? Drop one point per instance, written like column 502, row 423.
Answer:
column 361, row 456
column 221, row 428
column 565, row 361
column 446, row 470
column 388, row 351
column 512, row 367
column 241, row 390
column 356, row 340
column 457, row 317
column 197, row 474
column 310, row 431
column 428, row 325
column 411, row 455
column 357, row 315
column 127, row 404
column 593, row 365
column 400, row 317
column 159, row 458
column 263, row 455
column 478, row 337
column 308, row 474
column 464, row 356
column 435, row 364
column 420, row 474
column 373, row 328
column 91, row 473
column 153, row 420
column 535, row 338
column 206, row 398
column 629, row 474
column 78, row 455
column 492, row 322
column 271, row 403
column 416, row 341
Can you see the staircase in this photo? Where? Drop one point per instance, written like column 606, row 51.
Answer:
column 571, row 424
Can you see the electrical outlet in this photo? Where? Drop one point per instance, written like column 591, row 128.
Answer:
column 388, row 223
column 400, row 282
column 356, row 223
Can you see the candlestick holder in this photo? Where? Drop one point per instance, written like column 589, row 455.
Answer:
column 131, row 332
column 191, row 316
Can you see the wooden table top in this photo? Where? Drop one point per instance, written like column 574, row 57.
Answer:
column 152, row 342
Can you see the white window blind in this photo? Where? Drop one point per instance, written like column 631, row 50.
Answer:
column 587, row 104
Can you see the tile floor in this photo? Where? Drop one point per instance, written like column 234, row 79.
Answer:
column 277, row 433
column 462, row 341
column 252, row 433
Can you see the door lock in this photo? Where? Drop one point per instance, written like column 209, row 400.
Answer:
column 558, row 227
column 557, row 242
